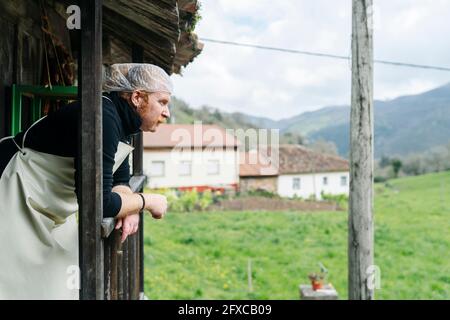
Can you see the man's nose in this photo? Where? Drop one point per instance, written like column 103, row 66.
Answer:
column 166, row 112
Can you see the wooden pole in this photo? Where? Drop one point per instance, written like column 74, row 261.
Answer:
column 91, row 152
column 138, row 170
column 360, row 231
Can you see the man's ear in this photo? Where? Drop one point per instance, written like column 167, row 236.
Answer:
column 135, row 98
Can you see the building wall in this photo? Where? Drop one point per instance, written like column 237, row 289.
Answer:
column 228, row 168
column 255, row 183
column 313, row 184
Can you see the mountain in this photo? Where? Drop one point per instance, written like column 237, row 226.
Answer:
column 402, row 126
column 408, row 124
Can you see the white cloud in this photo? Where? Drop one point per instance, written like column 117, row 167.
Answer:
column 278, row 85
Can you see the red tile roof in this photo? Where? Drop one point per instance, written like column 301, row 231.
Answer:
column 189, row 135
column 292, row 159
column 295, row 159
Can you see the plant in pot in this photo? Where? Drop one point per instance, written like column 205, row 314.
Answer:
column 318, row 278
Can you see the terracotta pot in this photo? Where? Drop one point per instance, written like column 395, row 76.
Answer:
column 316, row 285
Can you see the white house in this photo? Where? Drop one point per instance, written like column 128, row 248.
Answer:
column 301, row 172
column 304, row 173
column 191, row 156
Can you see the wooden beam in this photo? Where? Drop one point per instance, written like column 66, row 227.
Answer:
column 360, row 231
column 157, row 16
column 160, row 50
column 91, row 204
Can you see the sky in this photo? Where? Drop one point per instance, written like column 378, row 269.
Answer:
column 280, row 85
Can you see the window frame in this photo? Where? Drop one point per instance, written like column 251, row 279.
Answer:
column 151, row 174
column 294, row 179
column 208, row 167
column 180, row 166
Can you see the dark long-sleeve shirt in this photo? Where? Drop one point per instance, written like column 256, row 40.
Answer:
column 58, row 134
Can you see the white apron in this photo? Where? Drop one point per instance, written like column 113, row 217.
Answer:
column 38, row 225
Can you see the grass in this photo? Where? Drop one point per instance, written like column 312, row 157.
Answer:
column 205, row 255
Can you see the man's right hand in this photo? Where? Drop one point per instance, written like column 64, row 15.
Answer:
column 156, row 204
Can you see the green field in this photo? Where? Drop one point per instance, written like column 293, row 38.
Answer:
column 204, row 255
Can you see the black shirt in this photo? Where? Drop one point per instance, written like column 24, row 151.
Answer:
column 58, row 133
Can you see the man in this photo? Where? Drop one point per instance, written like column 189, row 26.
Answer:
column 39, row 182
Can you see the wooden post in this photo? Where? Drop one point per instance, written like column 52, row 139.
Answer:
column 360, row 231
column 138, row 170
column 91, row 152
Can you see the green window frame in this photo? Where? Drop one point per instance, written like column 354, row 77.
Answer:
column 37, row 95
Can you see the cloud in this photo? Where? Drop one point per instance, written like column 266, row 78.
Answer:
column 280, row 85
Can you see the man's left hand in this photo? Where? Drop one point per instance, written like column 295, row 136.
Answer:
column 129, row 225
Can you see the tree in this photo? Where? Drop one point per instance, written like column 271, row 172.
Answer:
column 384, row 162
column 322, row 146
column 412, row 165
column 292, row 138
column 396, row 166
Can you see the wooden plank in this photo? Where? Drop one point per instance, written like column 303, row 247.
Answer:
column 120, row 275
column 154, row 16
column 360, row 231
column 7, row 69
column 141, row 253
column 90, row 177
column 125, row 271
column 108, row 225
column 115, row 240
column 137, row 183
column 137, row 266
column 162, row 50
column 137, row 281
column 107, row 249
column 132, row 264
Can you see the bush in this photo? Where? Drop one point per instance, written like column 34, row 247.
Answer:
column 262, row 193
column 188, row 200
column 380, row 179
column 340, row 199
column 185, row 201
column 205, row 200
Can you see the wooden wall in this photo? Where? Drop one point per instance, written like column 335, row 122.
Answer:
column 21, row 51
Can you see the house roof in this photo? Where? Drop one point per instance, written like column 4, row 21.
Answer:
column 189, row 135
column 295, row 159
column 255, row 164
column 292, row 159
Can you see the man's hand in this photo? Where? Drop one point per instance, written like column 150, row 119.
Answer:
column 129, row 225
column 156, row 204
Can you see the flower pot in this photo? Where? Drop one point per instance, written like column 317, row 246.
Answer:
column 316, row 285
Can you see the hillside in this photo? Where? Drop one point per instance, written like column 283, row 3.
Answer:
column 404, row 125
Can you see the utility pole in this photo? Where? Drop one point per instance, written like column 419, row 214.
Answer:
column 360, row 231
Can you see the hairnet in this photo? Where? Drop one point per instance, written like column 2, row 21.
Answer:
column 136, row 76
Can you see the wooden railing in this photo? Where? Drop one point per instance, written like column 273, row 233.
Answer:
column 124, row 262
